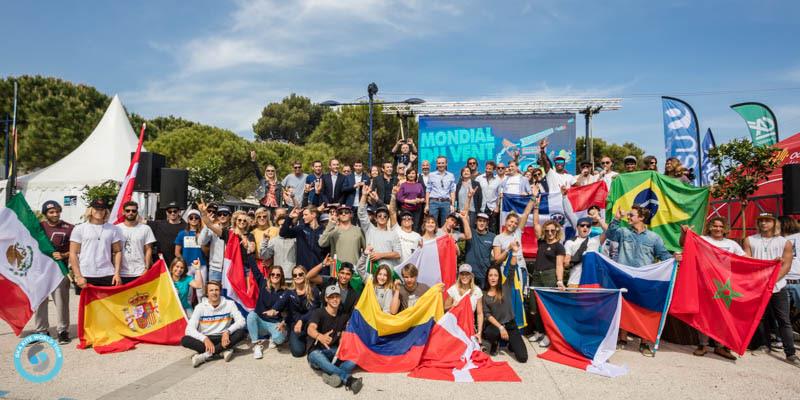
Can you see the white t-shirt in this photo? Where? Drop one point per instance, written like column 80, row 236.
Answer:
column 134, row 238
column 794, row 273
column 504, row 240
column 516, row 184
column 474, row 295
column 409, row 241
column 571, row 247
column 555, row 180
column 725, row 244
column 95, row 254
column 609, row 177
column 768, row 249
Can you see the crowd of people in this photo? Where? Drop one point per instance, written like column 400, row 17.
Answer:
column 313, row 232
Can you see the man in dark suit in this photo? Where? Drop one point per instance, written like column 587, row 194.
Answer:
column 333, row 184
column 385, row 182
column 356, row 181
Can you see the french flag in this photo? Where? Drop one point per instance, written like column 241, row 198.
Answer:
column 453, row 354
column 237, row 284
column 126, row 189
column 582, row 327
column 435, row 260
column 648, row 290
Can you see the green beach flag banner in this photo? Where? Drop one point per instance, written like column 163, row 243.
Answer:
column 28, row 273
column 761, row 121
column 671, row 202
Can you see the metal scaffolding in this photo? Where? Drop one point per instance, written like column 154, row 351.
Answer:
column 587, row 107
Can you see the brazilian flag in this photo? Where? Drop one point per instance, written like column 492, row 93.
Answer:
column 671, row 202
column 356, row 282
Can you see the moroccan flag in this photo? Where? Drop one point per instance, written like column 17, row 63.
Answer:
column 237, row 284
column 435, row 260
column 671, row 202
column 116, row 318
column 381, row 342
column 28, row 274
column 126, row 190
column 452, row 354
column 721, row 294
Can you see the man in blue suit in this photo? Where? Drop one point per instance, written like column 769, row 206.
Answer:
column 333, row 184
column 356, row 181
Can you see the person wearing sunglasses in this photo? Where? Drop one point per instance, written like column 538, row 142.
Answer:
column 345, row 240
column 638, row 247
column 575, row 248
column 269, row 192
column 266, row 319
column 409, row 238
column 296, row 180
column 608, row 174
column 558, row 176
column 298, row 302
column 380, row 237
column 166, row 231
column 216, row 233
column 650, row 163
column 188, row 248
column 587, row 175
column 137, row 244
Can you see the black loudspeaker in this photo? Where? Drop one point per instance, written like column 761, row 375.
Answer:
column 148, row 176
column 791, row 189
column 174, row 187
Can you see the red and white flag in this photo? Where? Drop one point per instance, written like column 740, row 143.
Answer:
column 452, row 354
column 126, row 190
column 435, row 260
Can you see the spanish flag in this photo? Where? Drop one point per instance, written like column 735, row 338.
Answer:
column 147, row 310
column 381, row 342
column 671, row 202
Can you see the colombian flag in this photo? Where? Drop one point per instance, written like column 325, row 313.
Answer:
column 381, row 342
column 147, row 310
column 671, row 202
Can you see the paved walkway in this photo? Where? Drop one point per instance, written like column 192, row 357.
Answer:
column 164, row 372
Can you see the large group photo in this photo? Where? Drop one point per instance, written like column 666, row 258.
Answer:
column 186, row 238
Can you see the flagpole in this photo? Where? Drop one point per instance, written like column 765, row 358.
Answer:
column 666, row 307
column 11, row 183
column 582, row 289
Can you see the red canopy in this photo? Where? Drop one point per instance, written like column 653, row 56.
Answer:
column 768, row 198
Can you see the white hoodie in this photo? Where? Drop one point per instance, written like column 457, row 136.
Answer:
column 209, row 320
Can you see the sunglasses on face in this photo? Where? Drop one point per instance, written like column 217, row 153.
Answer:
column 501, row 168
column 194, row 217
column 297, row 167
column 343, row 212
column 224, row 214
column 549, row 231
column 584, row 226
column 407, row 218
column 560, row 162
column 653, row 162
column 300, row 275
column 172, row 211
column 274, row 275
column 472, row 163
column 605, row 162
column 270, row 170
column 240, row 220
column 382, row 216
column 262, row 217
column 129, row 211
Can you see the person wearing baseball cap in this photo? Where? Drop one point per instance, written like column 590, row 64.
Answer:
column 478, row 251
column 166, row 231
column 630, row 163
column 95, row 249
column 379, row 236
column 221, row 217
column 575, row 248
column 344, row 238
column 465, row 288
column 586, row 177
column 559, row 177
column 767, row 244
column 59, row 233
column 325, row 327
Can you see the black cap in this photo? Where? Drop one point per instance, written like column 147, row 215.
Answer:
column 172, row 204
column 343, row 207
column 381, row 208
column 50, row 204
column 99, row 203
column 405, row 213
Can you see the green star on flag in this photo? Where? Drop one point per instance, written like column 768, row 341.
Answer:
column 725, row 292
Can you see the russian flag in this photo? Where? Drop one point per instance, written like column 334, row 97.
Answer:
column 644, row 304
column 582, row 327
column 435, row 260
column 380, row 342
column 453, row 354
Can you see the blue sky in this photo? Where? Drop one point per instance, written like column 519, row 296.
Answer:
column 220, row 62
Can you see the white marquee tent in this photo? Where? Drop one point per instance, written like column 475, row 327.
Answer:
column 103, row 156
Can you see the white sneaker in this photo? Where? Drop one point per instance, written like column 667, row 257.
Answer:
column 227, row 355
column 545, row 342
column 537, row 336
column 200, row 358
column 258, row 351
column 271, row 345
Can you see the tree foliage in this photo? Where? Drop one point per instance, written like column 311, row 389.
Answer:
column 347, row 131
column 107, row 191
column 58, row 116
column 741, row 167
column 291, row 120
column 601, row 148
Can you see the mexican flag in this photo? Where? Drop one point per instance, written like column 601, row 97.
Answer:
column 671, row 202
column 721, row 294
column 28, row 274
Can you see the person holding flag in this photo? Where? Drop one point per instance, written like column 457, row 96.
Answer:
column 58, row 232
column 638, row 247
column 95, row 250
column 767, row 244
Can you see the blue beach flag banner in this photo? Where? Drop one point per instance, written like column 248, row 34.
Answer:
column 682, row 134
column 709, row 170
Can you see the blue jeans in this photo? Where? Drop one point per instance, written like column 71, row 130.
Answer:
column 297, row 343
column 257, row 327
column 439, row 210
column 321, row 359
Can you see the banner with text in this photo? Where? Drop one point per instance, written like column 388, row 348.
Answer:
column 682, row 134
column 497, row 138
column 761, row 121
